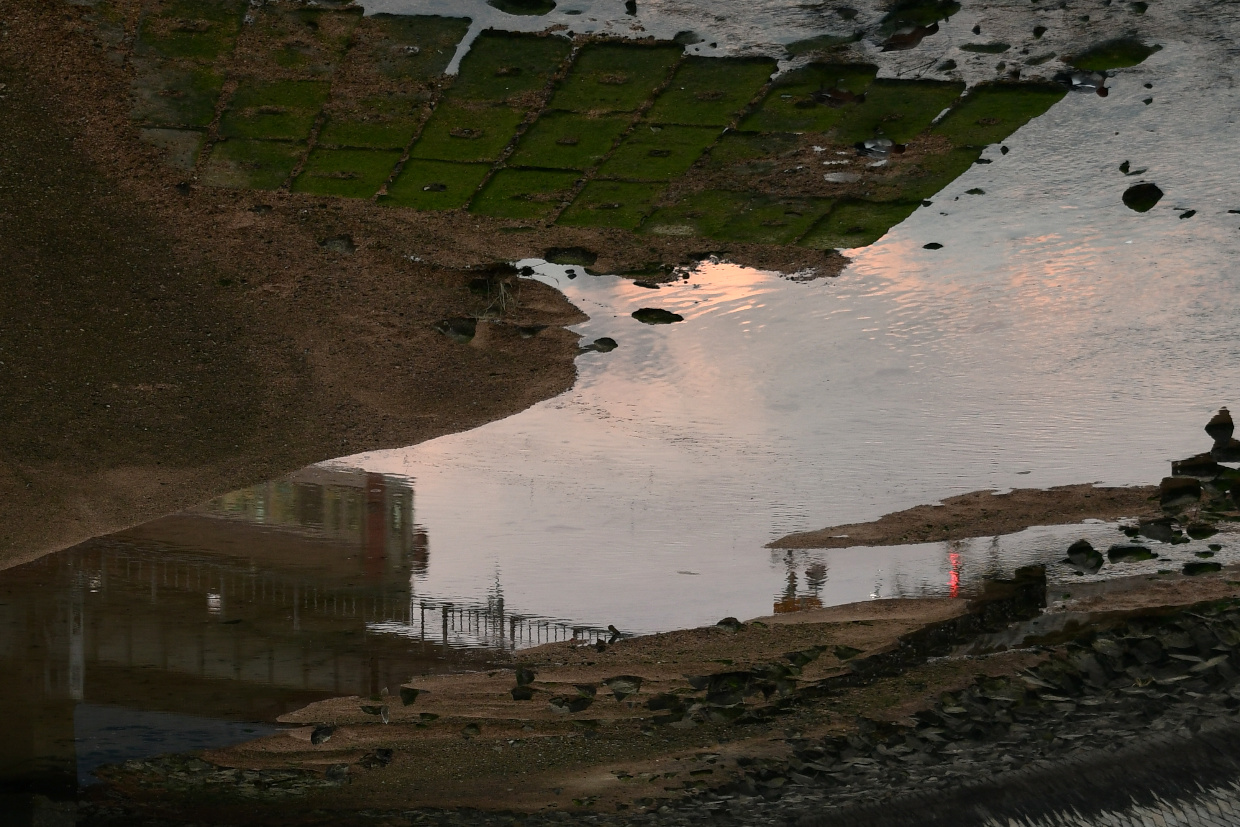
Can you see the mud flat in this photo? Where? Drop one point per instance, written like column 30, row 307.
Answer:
column 984, row 514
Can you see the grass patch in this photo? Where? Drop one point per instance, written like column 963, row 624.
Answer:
column 1113, row 54
column 523, row 8
column 751, row 151
column 898, row 109
column 435, row 185
column 348, row 173
column 709, row 91
column 790, row 105
column 530, row 194
column 180, row 146
column 658, row 153
column 928, row 175
column 467, row 133
column 700, row 214
column 417, row 47
column 276, row 110
column 176, row 94
column 614, row 77
column 619, row 204
column 197, row 29
column 501, row 66
column 306, row 39
column 566, row 140
column 990, row 113
column 249, row 164
column 856, row 223
column 739, row 216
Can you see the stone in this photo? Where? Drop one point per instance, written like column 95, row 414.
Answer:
column 1201, row 466
column 376, row 759
column 1220, row 427
column 566, row 705
column 622, row 686
column 321, row 734
column 655, row 315
column 731, row 624
column 1161, row 529
column 1129, row 554
column 1084, row 557
column 408, row 695
column 1142, row 197
column 522, row 693
column 1176, row 493
column 337, row 773
column 471, row 730
column 525, row 675
column 604, row 344
column 460, row 329
column 1192, row 569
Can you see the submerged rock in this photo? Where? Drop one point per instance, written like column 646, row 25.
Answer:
column 1200, row 530
column 1129, row 554
column 1162, row 529
column 1193, row 569
column 1142, row 197
column 1084, row 557
column 655, row 315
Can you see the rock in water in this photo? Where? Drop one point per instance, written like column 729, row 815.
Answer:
column 1193, row 569
column 655, row 315
column 1161, row 529
column 1084, row 557
column 731, row 624
column 1220, row 427
column 1129, row 554
column 1142, row 197
column 1176, row 493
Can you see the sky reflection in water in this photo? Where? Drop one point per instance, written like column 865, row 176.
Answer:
column 1056, row 338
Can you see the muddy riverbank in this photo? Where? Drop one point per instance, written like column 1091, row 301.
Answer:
column 767, row 721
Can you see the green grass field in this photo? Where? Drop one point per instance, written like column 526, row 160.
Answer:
column 247, row 164
column 897, row 109
column 990, row 113
column 619, row 204
column 566, row 140
column 856, row 223
column 708, row 91
column 528, row 194
column 414, row 47
column 615, row 77
column 457, row 132
column 348, row 173
column 501, row 65
column 789, row 106
column 654, row 152
column 435, row 185
column 283, row 110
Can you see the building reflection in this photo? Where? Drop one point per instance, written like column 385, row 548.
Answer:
column 245, row 608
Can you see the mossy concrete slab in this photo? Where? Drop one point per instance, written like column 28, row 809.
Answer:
column 567, row 140
column 657, row 152
column 434, row 185
column 619, row 204
column 528, row 194
column 615, row 77
column 415, row 47
column 992, row 112
column 457, row 132
column 175, row 93
column 284, row 110
column 180, row 146
column 241, row 163
column 348, row 173
column 796, row 101
column 856, row 223
column 194, row 29
column 710, row 91
column 507, row 67
column 897, row 109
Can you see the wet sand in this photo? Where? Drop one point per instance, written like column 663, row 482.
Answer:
column 983, row 514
